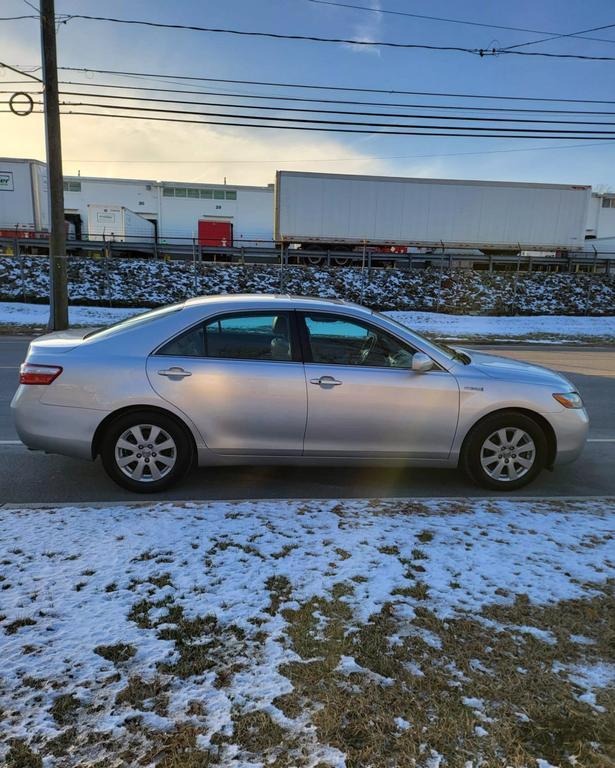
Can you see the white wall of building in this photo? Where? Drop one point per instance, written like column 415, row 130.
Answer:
column 601, row 216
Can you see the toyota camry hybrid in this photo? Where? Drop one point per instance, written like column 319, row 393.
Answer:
column 284, row 379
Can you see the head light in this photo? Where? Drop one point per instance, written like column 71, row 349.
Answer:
column 569, row 399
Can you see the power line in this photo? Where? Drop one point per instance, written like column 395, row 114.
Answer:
column 482, row 52
column 330, row 129
column 370, row 124
column 344, row 159
column 20, row 72
column 456, row 21
column 307, row 110
column 313, row 86
column 559, row 37
column 272, row 35
column 330, row 101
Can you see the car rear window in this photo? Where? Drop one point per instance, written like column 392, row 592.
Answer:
column 132, row 322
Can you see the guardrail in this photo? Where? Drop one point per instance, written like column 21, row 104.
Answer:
column 268, row 252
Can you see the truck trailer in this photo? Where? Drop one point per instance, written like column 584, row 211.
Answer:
column 344, row 212
column 119, row 224
column 24, row 207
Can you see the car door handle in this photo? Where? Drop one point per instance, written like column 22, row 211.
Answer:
column 175, row 373
column 326, row 381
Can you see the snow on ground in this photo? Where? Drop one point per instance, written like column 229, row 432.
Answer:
column 557, row 327
column 554, row 328
column 12, row 313
column 121, row 625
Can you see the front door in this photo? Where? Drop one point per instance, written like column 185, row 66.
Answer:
column 364, row 399
column 239, row 378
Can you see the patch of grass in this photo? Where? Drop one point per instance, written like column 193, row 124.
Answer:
column 256, row 732
column 280, row 589
column 64, row 708
column 147, row 695
column 117, row 653
column 60, row 745
column 425, row 537
column 21, row 756
column 534, row 710
column 389, row 550
column 178, row 749
column 14, row 626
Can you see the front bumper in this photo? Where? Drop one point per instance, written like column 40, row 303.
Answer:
column 571, row 427
column 54, row 428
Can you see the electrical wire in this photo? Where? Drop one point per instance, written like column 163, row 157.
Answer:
column 20, row 72
column 455, row 21
column 314, row 121
column 225, row 161
column 307, row 110
column 558, row 37
column 329, row 129
column 329, row 101
column 482, row 52
column 162, row 76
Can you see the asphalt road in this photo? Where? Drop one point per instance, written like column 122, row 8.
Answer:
column 35, row 477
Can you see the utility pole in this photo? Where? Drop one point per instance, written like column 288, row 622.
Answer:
column 58, row 287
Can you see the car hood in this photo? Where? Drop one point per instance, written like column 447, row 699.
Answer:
column 498, row 367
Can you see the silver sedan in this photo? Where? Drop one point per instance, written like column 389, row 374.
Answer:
column 284, row 379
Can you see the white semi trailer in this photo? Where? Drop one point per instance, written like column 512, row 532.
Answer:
column 119, row 224
column 322, row 210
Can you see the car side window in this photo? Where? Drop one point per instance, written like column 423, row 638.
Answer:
column 338, row 340
column 240, row 336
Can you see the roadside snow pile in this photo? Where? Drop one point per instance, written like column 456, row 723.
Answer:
column 141, row 282
column 307, row 633
column 553, row 329
column 14, row 313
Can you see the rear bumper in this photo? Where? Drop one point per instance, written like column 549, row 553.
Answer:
column 54, row 428
column 571, row 426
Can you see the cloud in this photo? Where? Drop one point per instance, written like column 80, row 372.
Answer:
column 134, row 149
column 368, row 30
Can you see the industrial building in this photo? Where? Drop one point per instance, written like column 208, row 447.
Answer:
column 221, row 215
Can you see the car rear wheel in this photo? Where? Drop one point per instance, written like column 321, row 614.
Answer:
column 505, row 451
column 146, row 451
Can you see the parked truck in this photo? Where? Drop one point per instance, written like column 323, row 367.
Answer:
column 24, row 208
column 119, row 224
column 389, row 214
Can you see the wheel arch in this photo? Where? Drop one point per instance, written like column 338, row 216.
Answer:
column 111, row 417
column 540, row 420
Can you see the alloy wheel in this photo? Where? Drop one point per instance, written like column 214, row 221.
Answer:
column 507, row 454
column 145, row 453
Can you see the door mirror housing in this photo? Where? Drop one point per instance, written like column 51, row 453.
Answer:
column 421, row 363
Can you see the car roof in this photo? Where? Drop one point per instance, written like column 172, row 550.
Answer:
column 254, row 300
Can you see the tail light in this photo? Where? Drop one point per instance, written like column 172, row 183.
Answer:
column 38, row 374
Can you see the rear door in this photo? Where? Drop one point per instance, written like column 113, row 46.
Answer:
column 239, row 378
column 363, row 397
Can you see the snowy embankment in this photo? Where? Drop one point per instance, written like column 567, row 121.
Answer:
column 325, row 633
column 554, row 329
column 147, row 283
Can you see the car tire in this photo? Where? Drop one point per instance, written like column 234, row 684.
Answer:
column 146, row 451
column 505, row 451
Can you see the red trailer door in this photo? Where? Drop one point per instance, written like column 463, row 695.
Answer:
column 215, row 233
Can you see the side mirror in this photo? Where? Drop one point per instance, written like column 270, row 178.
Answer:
column 421, row 363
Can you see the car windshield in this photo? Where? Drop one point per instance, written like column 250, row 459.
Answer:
column 133, row 321
column 450, row 352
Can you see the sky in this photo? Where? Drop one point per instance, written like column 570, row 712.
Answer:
column 140, row 149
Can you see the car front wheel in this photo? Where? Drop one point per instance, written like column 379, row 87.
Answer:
column 146, row 451
column 505, row 451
